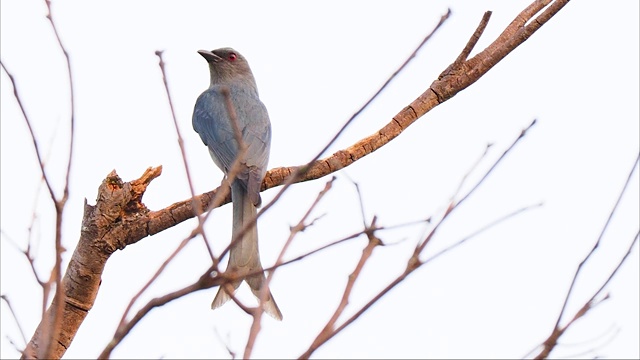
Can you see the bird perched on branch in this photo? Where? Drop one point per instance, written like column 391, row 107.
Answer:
column 234, row 124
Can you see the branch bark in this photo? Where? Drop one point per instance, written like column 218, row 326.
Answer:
column 101, row 235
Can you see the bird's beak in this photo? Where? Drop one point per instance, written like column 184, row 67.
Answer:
column 209, row 56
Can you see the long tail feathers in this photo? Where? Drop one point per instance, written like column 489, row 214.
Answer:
column 244, row 257
column 222, row 296
column 269, row 306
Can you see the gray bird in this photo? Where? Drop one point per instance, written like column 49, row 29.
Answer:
column 211, row 120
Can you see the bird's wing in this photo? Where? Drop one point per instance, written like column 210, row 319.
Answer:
column 211, row 121
column 256, row 134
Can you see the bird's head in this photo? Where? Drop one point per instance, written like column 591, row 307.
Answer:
column 227, row 66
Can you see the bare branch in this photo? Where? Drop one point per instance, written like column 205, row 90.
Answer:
column 264, row 292
column 481, row 230
column 47, row 346
column 123, row 319
column 464, row 54
column 56, row 274
column 413, row 263
column 225, row 343
column 455, row 203
column 65, row 195
column 27, row 254
column 204, row 282
column 469, row 172
column 289, row 176
column 33, row 136
column 116, row 203
column 329, row 329
column 196, row 202
column 13, row 314
column 598, row 241
column 549, row 344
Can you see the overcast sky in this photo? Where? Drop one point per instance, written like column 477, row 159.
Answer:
column 315, row 63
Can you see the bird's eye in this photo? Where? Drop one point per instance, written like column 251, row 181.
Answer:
column 232, row 57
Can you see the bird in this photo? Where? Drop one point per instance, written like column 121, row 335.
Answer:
column 232, row 82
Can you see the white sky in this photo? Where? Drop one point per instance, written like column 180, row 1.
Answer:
column 316, row 63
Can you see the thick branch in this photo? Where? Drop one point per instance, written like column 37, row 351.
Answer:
column 117, row 203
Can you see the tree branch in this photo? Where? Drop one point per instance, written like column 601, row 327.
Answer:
column 117, row 203
column 550, row 343
column 414, row 262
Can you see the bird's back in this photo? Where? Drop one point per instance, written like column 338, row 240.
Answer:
column 212, row 122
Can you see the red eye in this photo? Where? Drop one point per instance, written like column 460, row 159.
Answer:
column 232, row 57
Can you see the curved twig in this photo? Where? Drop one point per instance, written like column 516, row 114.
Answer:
column 414, row 262
column 550, row 343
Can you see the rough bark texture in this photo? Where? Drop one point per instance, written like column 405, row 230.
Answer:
column 118, row 204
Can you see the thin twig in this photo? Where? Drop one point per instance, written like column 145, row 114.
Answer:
column 301, row 170
column 195, row 199
column 206, row 281
column 225, row 343
column 347, row 238
column 60, row 203
column 264, row 292
column 47, row 339
column 13, row 314
column 29, row 257
column 469, row 172
column 481, row 230
column 65, row 195
column 443, row 18
column 603, row 343
column 597, row 243
column 163, row 266
column 414, row 261
column 36, row 147
column 360, row 201
column 464, row 54
column 549, row 344
column 329, row 329
column 455, row 203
